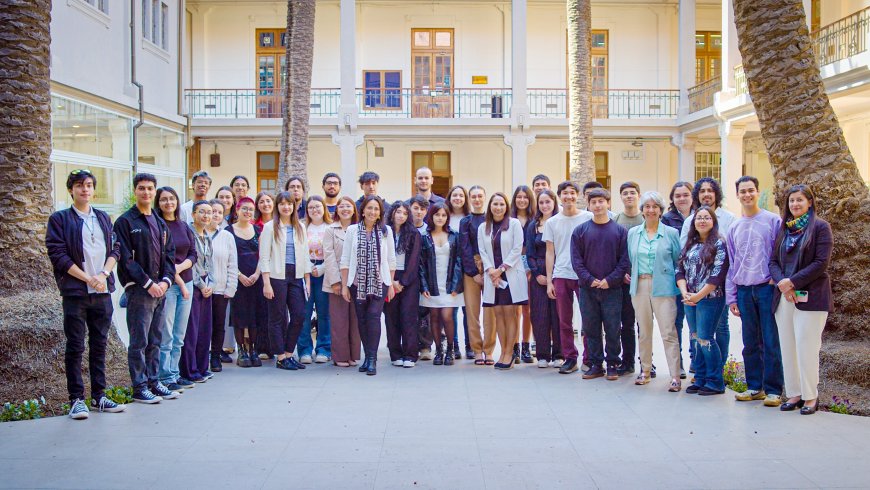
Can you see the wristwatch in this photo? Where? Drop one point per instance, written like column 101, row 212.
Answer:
column 105, row 273
column 501, row 268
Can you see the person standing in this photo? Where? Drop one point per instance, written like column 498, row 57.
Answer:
column 457, row 201
column 701, row 272
column 201, row 183
column 245, row 304
column 523, row 209
column 400, row 314
column 679, row 210
column 540, row 183
column 331, row 186
column 179, row 297
column 368, row 182
column 500, row 241
column 265, row 208
column 749, row 294
column 600, row 260
column 561, row 278
column 423, row 180
column 799, row 266
column 483, row 345
column 654, row 250
column 228, row 199
column 286, row 273
column 318, row 222
column 368, row 263
column 630, row 217
column 83, row 253
column 342, row 314
column 296, row 187
column 542, row 308
column 419, row 209
column 197, row 339
column 225, row 271
column 146, row 268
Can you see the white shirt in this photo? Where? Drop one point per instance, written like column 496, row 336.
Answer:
column 93, row 244
column 558, row 230
column 454, row 222
column 186, row 212
column 725, row 218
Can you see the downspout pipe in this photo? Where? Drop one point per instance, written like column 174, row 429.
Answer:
column 138, row 85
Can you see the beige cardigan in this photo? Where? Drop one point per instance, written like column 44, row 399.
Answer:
column 333, row 244
column 273, row 252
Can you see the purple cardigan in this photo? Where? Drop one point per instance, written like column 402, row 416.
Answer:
column 812, row 268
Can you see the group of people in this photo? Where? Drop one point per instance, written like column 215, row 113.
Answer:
column 273, row 268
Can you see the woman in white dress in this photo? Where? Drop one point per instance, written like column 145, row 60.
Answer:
column 441, row 279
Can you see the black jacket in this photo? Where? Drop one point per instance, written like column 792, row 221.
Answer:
column 428, row 274
column 63, row 239
column 811, row 274
column 136, row 265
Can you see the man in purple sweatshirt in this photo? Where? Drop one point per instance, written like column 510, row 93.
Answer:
column 749, row 294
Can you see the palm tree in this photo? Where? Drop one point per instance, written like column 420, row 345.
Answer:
column 582, row 164
column 806, row 144
column 25, row 144
column 297, row 91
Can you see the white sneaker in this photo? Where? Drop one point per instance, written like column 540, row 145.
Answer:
column 306, row 359
column 79, row 411
column 426, row 355
column 398, row 363
column 320, row 359
column 409, row 364
column 542, row 363
column 558, row 363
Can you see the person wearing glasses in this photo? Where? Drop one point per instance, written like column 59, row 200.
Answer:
column 331, row 189
column 83, row 253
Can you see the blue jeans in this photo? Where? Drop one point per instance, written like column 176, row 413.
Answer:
column 456, row 328
column 319, row 300
column 177, row 310
column 145, row 323
column 678, row 323
column 762, row 356
column 704, row 320
column 602, row 307
column 723, row 334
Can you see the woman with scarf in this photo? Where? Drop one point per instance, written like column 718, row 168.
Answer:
column 799, row 266
column 368, row 263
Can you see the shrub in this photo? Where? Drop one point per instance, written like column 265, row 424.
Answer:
column 27, row 410
column 120, row 394
column 840, row 405
column 731, row 371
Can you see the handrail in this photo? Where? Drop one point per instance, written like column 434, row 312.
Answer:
column 701, row 95
column 740, row 84
column 843, row 38
column 608, row 104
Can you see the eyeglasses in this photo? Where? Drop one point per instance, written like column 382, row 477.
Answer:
column 331, row 182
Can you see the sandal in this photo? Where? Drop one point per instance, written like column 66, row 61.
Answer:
column 488, row 360
column 642, row 379
column 479, row 361
column 342, row 364
column 675, row 386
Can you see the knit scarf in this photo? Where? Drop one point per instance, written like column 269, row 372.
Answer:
column 796, row 229
column 368, row 267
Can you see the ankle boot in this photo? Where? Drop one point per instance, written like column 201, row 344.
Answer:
column 365, row 364
column 526, row 354
column 448, row 358
column 372, row 365
column 254, row 357
column 215, row 363
column 516, row 357
column 243, row 359
column 439, row 354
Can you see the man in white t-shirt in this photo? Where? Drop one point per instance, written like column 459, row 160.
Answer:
column 201, row 183
column 561, row 278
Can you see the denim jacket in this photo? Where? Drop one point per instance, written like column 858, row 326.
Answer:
column 665, row 267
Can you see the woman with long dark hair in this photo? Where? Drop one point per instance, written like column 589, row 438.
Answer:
column 317, row 222
column 245, row 305
column 542, row 308
column 680, row 209
column 701, row 272
column 400, row 314
column 240, row 187
column 342, row 314
column 441, row 279
column 500, row 240
column 523, row 209
column 228, row 199
column 367, row 267
column 264, row 207
column 225, row 271
column 286, row 273
column 799, row 265
column 457, row 201
column 193, row 364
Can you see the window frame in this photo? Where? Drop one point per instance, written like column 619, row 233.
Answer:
column 156, row 26
column 382, row 106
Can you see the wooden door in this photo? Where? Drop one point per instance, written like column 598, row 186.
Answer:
column 432, row 73
column 267, row 171
column 271, row 70
column 439, row 163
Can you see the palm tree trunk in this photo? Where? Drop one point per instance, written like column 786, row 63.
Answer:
column 286, row 115
column 25, row 144
column 806, row 144
column 582, row 164
column 300, row 57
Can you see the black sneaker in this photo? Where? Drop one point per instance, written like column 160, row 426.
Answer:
column 569, row 367
column 295, row 363
column 215, row 363
column 185, row 383
column 693, row 389
column 594, row 372
column 106, row 405
column 145, row 396
column 439, row 359
column 225, row 358
column 285, row 364
column 162, row 391
column 469, row 353
column 207, row 375
column 625, row 369
column 174, row 387
column 612, row 373
column 707, row 392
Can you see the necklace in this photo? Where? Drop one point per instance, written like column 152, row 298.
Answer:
column 89, row 224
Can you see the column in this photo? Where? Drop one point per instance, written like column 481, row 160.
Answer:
column 808, row 10
column 347, row 144
column 732, row 162
column 730, row 52
column 519, row 144
column 348, row 111
column 685, row 157
column 519, row 64
column 686, row 45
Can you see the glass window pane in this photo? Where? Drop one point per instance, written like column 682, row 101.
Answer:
column 441, row 162
column 421, row 39
column 443, row 39
column 700, row 41
column 112, row 193
column 268, row 161
column 164, row 19
column 373, row 79
column 267, row 40
column 393, row 79
column 599, row 40
column 161, row 147
column 146, row 20
column 80, row 128
column 421, row 160
column 716, row 41
column 155, row 21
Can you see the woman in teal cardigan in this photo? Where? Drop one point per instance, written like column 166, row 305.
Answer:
column 653, row 250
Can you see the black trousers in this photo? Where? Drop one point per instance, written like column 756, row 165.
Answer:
column 368, row 318
column 401, row 318
column 218, row 321
column 289, row 301
column 545, row 323
column 89, row 315
column 626, row 332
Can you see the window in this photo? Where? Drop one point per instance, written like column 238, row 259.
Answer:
column 155, row 23
column 598, row 73
column 708, row 164
column 432, row 72
column 383, row 89
column 602, row 168
column 271, row 47
column 84, row 129
column 267, row 171
column 708, row 55
column 101, row 5
column 439, row 163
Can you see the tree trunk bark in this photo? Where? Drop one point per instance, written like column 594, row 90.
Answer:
column 286, row 113
column 582, row 164
column 26, row 198
column 806, row 144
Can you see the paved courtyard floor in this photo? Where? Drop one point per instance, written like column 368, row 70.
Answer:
column 461, row 426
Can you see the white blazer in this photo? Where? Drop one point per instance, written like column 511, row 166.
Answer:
column 511, row 252
column 273, row 252
column 350, row 258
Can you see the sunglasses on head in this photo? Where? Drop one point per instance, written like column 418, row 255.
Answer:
column 81, row 171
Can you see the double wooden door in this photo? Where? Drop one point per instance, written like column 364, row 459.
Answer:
column 432, row 72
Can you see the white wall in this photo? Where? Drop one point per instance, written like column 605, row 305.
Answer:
column 834, row 10
column 92, row 55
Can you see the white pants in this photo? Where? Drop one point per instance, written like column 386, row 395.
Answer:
column 665, row 311
column 800, row 338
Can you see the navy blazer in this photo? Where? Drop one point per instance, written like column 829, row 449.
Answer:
column 536, row 251
column 468, row 242
column 63, row 239
column 428, row 275
column 811, row 274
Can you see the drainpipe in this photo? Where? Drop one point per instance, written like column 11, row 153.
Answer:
column 138, row 85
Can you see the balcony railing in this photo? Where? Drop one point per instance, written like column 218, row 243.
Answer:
column 608, row 104
column 254, row 103
column 701, row 95
column 740, row 85
column 843, row 38
column 455, row 103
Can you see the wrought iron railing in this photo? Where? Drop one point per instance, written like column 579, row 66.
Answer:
column 254, row 103
column 843, row 38
column 455, row 103
column 608, row 104
column 740, row 80
column 701, row 95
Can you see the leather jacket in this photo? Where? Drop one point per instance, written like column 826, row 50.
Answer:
column 428, row 275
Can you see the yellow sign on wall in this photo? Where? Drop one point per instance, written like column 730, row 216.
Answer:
column 479, row 79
